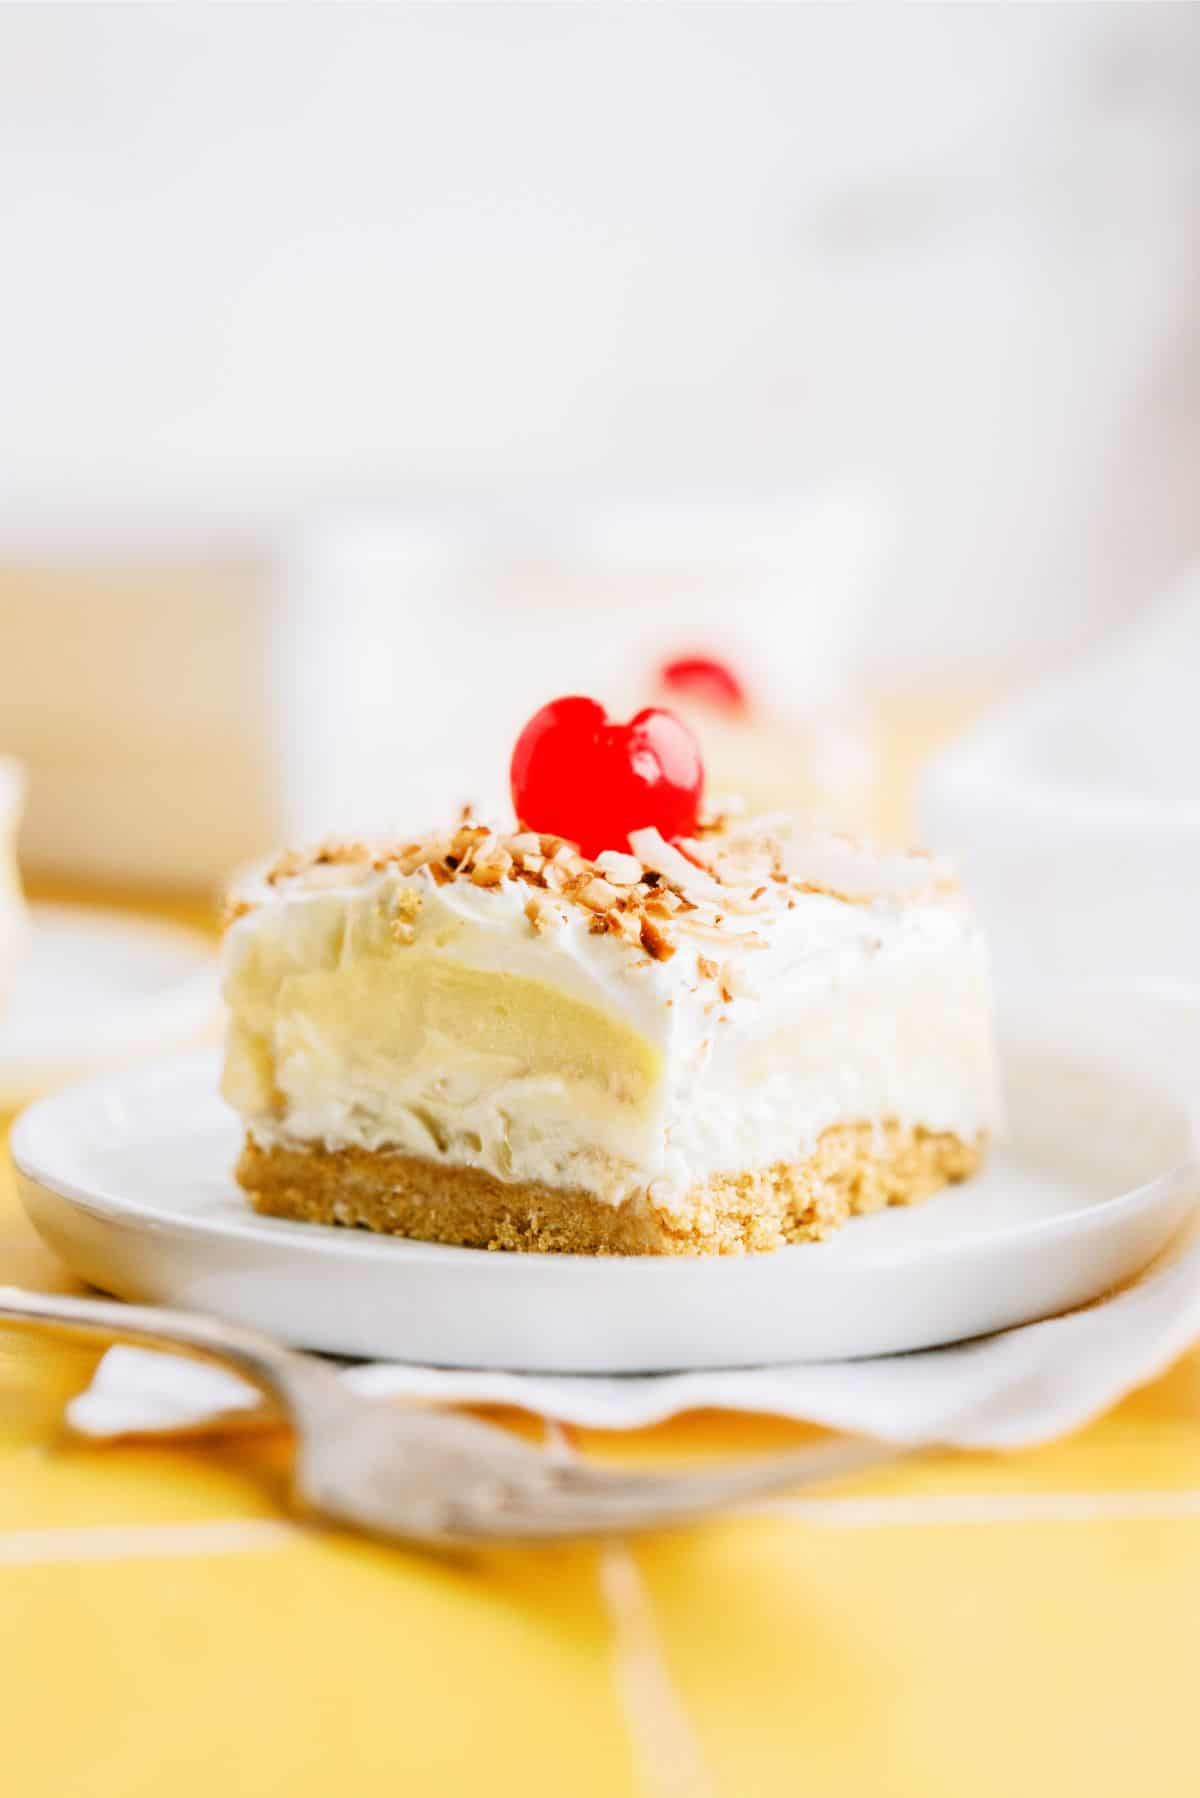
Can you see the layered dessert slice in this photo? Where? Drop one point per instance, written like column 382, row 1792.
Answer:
column 726, row 1042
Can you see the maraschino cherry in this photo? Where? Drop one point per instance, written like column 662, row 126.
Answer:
column 577, row 774
column 705, row 679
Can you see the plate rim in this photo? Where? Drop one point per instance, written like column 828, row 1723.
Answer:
column 355, row 1245
column 188, row 1003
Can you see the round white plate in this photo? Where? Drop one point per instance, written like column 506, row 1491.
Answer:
column 97, row 989
column 128, row 1178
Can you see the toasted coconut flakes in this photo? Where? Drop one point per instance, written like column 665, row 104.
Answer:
column 597, row 895
column 666, row 860
column 493, row 860
column 467, row 835
column 621, row 870
column 700, row 853
column 709, row 883
column 706, row 930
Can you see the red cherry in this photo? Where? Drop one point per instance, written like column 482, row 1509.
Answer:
column 706, row 680
column 575, row 774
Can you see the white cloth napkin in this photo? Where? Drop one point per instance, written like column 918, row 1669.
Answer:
column 1021, row 1387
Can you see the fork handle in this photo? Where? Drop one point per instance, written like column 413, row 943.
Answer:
column 284, row 1375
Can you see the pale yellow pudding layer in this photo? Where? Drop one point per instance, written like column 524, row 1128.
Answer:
column 414, row 1051
column 344, row 1036
column 855, row 1168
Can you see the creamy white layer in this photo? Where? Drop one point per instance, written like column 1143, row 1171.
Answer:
column 576, row 1060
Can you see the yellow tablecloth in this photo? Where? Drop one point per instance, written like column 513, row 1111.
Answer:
column 970, row 1624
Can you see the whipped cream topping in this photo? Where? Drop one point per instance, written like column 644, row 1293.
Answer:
column 732, row 870
column 361, row 983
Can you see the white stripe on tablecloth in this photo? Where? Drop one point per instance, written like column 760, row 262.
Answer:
column 143, row 1541
column 249, row 1535
column 985, row 1508
column 667, row 1757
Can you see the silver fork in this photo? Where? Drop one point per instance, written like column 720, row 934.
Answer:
column 435, row 1477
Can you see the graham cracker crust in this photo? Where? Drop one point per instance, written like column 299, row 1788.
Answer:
column 855, row 1168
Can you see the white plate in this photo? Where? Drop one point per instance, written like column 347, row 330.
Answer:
column 98, row 989
column 128, row 1179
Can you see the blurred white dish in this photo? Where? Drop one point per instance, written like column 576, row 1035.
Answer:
column 128, row 1178
column 97, row 989
column 1074, row 813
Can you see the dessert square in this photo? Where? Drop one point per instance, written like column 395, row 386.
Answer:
column 722, row 1043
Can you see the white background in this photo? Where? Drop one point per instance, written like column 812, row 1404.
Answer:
column 258, row 258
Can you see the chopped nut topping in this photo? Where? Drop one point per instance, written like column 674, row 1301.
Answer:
column 655, row 941
column 698, row 889
column 493, row 864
